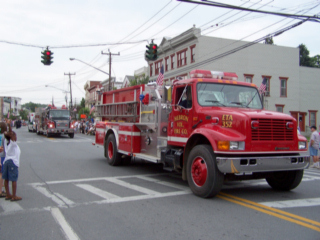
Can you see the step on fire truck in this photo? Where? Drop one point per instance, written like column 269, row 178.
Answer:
column 222, row 134
column 52, row 121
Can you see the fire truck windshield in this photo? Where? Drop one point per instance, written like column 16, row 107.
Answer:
column 59, row 114
column 228, row 95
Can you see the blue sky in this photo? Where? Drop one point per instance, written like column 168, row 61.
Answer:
column 62, row 25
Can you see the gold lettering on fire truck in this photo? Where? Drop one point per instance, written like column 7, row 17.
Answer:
column 181, row 118
column 227, row 121
column 180, row 126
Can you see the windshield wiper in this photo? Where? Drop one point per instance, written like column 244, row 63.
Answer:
column 251, row 99
column 215, row 101
column 239, row 103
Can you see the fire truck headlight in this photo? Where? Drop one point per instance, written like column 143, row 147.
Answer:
column 51, row 126
column 302, row 145
column 237, row 145
column 71, row 125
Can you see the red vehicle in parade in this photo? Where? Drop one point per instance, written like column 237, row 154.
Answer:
column 222, row 134
column 53, row 121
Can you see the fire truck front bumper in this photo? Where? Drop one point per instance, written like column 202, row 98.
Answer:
column 57, row 130
column 262, row 164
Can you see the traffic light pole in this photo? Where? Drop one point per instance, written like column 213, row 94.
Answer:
column 110, row 65
column 70, row 88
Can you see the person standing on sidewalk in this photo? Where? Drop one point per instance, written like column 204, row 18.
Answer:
column 314, row 146
column 11, row 163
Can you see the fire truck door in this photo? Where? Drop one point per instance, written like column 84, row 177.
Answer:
column 182, row 115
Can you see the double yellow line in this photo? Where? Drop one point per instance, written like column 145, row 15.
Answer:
column 305, row 222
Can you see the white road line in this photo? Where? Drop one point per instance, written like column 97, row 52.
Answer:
column 94, row 179
column 65, row 226
column 48, row 194
column 9, row 206
column 168, row 184
column 131, row 186
column 306, row 202
column 64, row 199
column 97, row 191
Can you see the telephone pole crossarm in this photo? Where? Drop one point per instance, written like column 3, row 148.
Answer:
column 70, row 88
column 109, row 53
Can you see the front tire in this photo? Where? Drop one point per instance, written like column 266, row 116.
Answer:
column 285, row 180
column 71, row 135
column 204, row 177
column 111, row 151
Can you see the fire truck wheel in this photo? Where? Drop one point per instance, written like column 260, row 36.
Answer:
column 204, row 178
column 111, row 151
column 285, row 180
column 71, row 135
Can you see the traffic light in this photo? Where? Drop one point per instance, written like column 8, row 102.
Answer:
column 155, row 51
column 152, row 51
column 47, row 57
column 149, row 51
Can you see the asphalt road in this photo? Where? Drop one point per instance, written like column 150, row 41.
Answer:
column 70, row 192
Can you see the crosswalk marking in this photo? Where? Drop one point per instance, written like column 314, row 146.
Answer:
column 131, row 186
column 50, row 195
column 168, row 184
column 306, row 202
column 97, row 191
column 179, row 188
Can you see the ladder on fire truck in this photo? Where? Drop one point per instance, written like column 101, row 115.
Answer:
column 116, row 111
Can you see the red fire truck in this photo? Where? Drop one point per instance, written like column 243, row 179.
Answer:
column 222, row 134
column 52, row 121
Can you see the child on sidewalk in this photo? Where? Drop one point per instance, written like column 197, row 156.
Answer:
column 11, row 163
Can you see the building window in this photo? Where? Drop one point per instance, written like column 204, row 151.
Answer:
column 172, row 61
column 279, row 108
column 283, row 87
column 248, row 78
column 312, row 118
column 182, row 58
column 157, row 66
column 166, row 66
column 267, row 92
column 192, row 57
column 151, row 69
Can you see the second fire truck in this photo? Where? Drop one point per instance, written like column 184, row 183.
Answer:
column 53, row 121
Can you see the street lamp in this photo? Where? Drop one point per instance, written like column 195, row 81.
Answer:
column 64, row 91
column 71, row 59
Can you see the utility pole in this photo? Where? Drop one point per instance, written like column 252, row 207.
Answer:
column 70, row 87
column 110, row 65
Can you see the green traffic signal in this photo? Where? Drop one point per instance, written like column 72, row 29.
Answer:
column 47, row 57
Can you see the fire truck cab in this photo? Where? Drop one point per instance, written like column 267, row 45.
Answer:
column 211, row 128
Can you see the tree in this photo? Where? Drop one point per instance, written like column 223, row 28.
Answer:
column 305, row 60
column 24, row 114
column 316, row 61
column 32, row 106
column 138, row 81
column 83, row 103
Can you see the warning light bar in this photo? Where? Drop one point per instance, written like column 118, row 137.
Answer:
column 197, row 73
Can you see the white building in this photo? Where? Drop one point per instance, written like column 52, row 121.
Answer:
column 10, row 103
column 290, row 88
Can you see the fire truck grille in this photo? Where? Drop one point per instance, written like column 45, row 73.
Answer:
column 272, row 130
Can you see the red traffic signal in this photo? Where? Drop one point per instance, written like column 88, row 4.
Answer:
column 47, row 57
